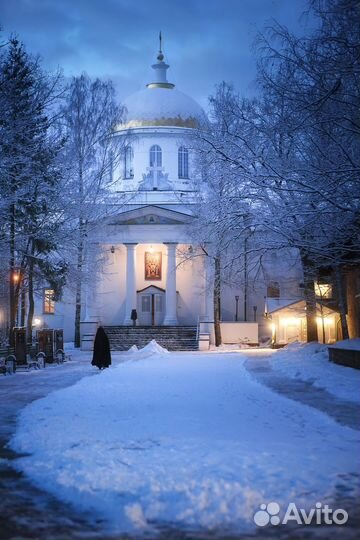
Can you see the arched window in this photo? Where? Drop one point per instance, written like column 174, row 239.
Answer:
column 183, row 162
column 273, row 289
column 155, row 156
column 128, row 165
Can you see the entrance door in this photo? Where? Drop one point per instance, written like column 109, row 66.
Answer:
column 151, row 308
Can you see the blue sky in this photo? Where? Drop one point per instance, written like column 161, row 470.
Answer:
column 205, row 41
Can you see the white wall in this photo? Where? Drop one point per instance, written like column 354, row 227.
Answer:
column 169, row 139
column 239, row 332
column 189, row 284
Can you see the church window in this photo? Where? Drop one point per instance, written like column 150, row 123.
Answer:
column 128, row 165
column 183, row 162
column 273, row 289
column 49, row 303
column 155, row 156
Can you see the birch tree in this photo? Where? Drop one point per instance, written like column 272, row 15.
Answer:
column 90, row 115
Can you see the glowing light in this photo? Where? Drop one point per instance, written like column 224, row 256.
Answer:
column 151, row 249
column 16, row 277
column 37, row 322
column 323, row 290
column 320, row 320
column 289, row 321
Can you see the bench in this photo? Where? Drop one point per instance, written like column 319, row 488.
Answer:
column 35, row 362
column 7, row 361
column 60, row 356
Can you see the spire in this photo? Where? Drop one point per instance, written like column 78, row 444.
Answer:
column 160, row 56
column 160, row 69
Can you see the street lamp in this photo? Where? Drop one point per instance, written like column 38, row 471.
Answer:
column 237, row 307
column 251, row 230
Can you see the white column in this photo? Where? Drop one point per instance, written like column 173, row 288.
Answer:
column 130, row 282
column 170, row 296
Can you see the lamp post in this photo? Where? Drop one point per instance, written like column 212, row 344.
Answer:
column 237, row 307
column 245, row 278
column 255, row 310
column 251, row 230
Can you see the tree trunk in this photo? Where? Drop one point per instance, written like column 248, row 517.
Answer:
column 341, row 302
column 78, row 294
column 353, row 301
column 31, row 310
column 310, row 299
column 23, row 304
column 12, row 296
column 217, row 301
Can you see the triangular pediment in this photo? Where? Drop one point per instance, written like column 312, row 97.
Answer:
column 151, row 289
column 150, row 215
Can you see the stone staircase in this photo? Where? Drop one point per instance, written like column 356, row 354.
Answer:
column 172, row 338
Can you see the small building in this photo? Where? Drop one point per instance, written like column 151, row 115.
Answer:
column 287, row 321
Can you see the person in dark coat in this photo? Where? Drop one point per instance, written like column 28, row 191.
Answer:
column 101, row 355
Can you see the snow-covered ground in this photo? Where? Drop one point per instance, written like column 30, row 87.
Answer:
column 310, row 362
column 182, row 438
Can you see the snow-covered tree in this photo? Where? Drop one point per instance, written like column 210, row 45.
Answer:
column 30, row 178
column 89, row 117
column 291, row 156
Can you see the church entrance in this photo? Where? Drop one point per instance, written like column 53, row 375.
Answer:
column 151, row 306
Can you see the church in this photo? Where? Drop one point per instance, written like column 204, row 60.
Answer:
column 150, row 277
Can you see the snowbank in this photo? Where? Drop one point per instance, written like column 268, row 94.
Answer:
column 310, row 362
column 194, row 442
column 151, row 349
column 350, row 344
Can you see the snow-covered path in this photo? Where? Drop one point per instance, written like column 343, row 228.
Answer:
column 185, row 439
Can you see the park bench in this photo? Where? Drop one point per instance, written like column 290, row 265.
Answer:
column 7, row 361
column 60, row 356
column 33, row 361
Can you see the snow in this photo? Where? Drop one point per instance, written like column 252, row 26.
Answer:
column 161, row 103
column 310, row 362
column 182, row 438
column 350, row 344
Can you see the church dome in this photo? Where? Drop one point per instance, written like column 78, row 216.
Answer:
column 160, row 104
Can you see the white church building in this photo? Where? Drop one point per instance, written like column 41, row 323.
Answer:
column 143, row 242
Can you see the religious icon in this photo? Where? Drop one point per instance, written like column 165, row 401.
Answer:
column 153, row 265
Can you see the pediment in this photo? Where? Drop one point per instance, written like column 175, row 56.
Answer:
column 151, row 289
column 150, row 215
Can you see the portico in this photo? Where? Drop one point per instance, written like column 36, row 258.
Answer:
column 170, row 315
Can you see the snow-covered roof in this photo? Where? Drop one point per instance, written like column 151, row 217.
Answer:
column 160, row 104
column 275, row 304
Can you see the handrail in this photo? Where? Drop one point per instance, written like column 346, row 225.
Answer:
column 199, row 323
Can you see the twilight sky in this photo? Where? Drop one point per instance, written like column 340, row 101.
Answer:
column 205, row 41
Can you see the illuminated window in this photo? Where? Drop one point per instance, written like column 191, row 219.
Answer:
column 128, row 165
column 49, row 303
column 155, row 156
column 323, row 290
column 183, row 162
column 273, row 290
